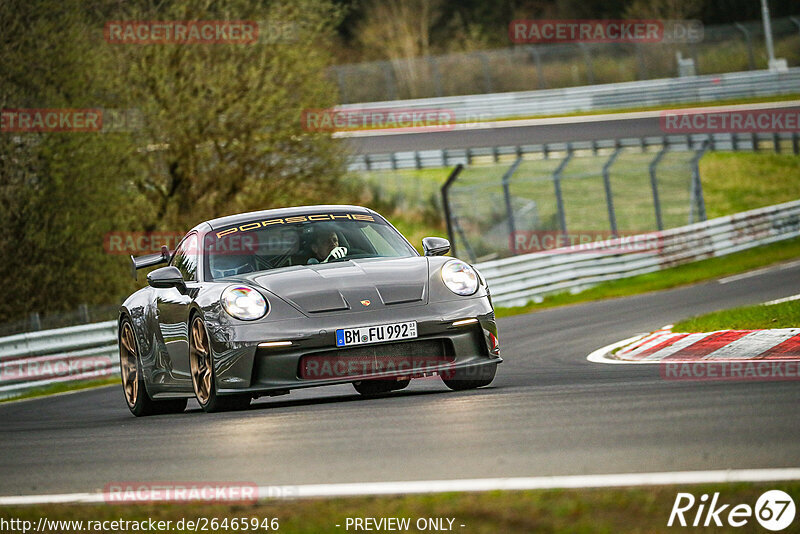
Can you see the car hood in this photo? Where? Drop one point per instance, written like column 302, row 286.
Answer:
column 353, row 285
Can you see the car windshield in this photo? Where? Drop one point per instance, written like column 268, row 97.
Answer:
column 262, row 245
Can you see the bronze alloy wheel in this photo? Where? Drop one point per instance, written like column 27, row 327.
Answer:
column 133, row 383
column 201, row 363
column 128, row 364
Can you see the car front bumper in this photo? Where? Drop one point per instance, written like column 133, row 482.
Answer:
column 242, row 366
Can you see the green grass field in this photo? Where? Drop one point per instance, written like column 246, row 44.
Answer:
column 596, row 511
column 732, row 182
column 781, row 315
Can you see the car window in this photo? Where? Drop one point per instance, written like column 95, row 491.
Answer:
column 381, row 241
column 259, row 245
column 185, row 258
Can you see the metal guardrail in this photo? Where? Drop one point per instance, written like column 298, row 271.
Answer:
column 517, row 280
column 666, row 91
column 421, row 159
column 38, row 359
column 33, row 360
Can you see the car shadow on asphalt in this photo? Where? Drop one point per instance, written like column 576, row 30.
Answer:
column 333, row 399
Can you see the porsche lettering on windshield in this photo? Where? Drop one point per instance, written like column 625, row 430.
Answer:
column 317, row 238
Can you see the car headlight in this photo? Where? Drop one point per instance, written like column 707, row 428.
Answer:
column 460, row 278
column 243, row 303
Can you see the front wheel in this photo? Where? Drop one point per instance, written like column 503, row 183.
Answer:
column 470, row 377
column 203, row 378
column 139, row 402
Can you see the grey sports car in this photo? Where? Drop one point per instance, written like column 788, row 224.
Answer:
column 265, row 302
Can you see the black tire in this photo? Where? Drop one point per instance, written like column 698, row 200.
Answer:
column 133, row 389
column 204, row 380
column 371, row 388
column 470, row 377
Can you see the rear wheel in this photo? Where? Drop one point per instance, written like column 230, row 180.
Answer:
column 470, row 377
column 370, row 388
column 203, row 378
column 136, row 397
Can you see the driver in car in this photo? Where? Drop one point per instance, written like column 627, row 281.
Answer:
column 325, row 247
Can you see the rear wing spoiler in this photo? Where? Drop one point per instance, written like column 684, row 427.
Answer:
column 150, row 260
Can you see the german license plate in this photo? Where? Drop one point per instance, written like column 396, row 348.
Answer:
column 381, row 333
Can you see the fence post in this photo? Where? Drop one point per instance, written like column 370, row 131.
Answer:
column 36, row 321
column 448, row 216
column 83, row 310
column 587, row 58
column 750, row 58
column 562, row 217
column 487, row 73
column 697, row 186
column 506, row 180
column 693, row 51
column 612, row 217
column 537, row 59
column 388, row 75
column 640, row 61
column 340, row 80
column 795, row 144
column 437, row 78
column 654, row 185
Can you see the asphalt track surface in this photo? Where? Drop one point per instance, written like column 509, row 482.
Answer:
column 611, row 128
column 548, row 412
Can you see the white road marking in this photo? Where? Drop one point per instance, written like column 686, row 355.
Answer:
column 757, row 272
column 475, row 484
column 784, row 299
column 603, row 355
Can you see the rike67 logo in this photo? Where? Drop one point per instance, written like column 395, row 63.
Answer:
column 774, row 510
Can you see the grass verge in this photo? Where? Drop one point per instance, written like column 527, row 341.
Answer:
column 637, row 510
column 690, row 273
column 782, row 315
column 62, row 388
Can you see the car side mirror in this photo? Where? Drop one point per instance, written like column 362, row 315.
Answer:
column 167, row 277
column 435, row 246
